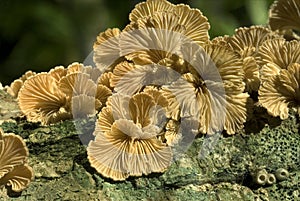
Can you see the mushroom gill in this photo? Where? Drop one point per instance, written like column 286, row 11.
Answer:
column 213, row 90
column 246, row 42
column 277, row 54
column 281, row 91
column 14, row 171
column 284, row 15
column 41, row 100
column 127, row 139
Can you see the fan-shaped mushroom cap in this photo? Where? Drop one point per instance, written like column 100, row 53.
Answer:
column 16, row 85
column 280, row 52
column 13, row 156
column 19, row 178
column 251, row 74
column 181, row 18
column 41, row 100
column 105, row 79
column 94, row 73
column 128, row 150
column 284, row 15
column 247, row 40
column 58, row 72
column 149, row 8
column 13, row 152
column 213, row 91
column 106, row 49
column 127, row 132
column 281, row 91
column 76, row 84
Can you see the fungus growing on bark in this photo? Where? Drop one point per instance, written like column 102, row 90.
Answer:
column 63, row 93
column 14, row 171
column 41, row 100
column 127, row 138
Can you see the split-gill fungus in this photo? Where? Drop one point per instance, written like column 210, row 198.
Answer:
column 62, row 93
column 14, row 170
column 284, row 16
column 127, row 137
column 246, row 42
column 161, row 70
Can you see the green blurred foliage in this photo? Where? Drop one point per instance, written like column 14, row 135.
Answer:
column 41, row 34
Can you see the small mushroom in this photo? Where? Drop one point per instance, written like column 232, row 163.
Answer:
column 280, row 53
column 106, row 49
column 41, row 100
column 14, row 171
column 149, row 8
column 16, row 85
column 271, row 179
column 282, row 174
column 261, row 177
column 281, row 92
column 212, row 92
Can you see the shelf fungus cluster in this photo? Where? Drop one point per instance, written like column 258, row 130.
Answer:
column 14, row 170
column 162, row 78
column 62, row 93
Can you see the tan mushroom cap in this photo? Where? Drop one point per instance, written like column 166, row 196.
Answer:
column 13, row 152
column 280, row 52
column 19, row 178
column 13, row 168
column 280, row 92
column 251, row 74
column 128, row 150
column 58, row 72
column 285, row 15
column 107, row 50
column 76, row 84
column 127, row 132
column 105, row 79
column 75, row 67
column 16, row 85
column 149, row 8
column 247, row 40
column 181, row 18
column 41, row 100
column 215, row 99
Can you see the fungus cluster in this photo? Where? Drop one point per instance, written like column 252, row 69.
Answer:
column 62, row 93
column 161, row 71
column 14, row 170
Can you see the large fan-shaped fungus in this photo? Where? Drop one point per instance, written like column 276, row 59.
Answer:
column 127, row 137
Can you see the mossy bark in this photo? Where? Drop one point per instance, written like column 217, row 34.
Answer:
column 62, row 171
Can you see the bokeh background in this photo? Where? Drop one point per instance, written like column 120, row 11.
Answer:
column 41, row 34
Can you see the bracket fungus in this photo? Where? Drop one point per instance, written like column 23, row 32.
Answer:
column 14, row 170
column 246, row 42
column 127, row 139
column 16, row 85
column 62, row 93
column 280, row 79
